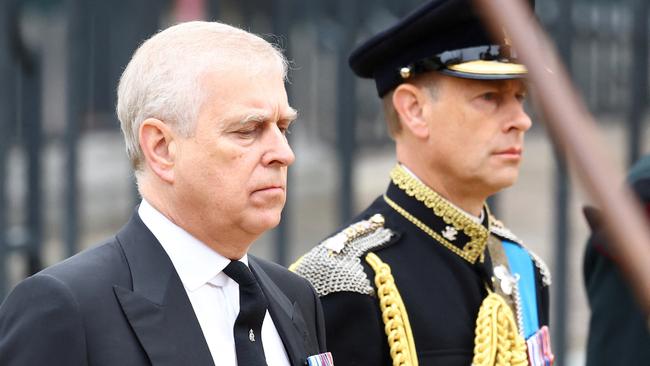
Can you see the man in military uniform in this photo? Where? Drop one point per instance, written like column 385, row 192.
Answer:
column 618, row 328
column 426, row 275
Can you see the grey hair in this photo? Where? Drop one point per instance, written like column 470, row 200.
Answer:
column 162, row 80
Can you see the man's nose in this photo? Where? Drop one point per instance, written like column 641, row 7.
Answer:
column 518, row 118
column 278, row 150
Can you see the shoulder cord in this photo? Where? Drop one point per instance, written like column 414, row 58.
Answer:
column 497, row 340
column 394, row 315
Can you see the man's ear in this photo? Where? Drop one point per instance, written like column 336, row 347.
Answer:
column 158, row 144
column 409, row 102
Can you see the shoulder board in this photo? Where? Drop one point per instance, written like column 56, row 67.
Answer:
column 497, row 228
column 334, row 265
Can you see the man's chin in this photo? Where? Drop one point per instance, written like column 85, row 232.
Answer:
column 265, row 222
column 505, row 181
column 500, row 179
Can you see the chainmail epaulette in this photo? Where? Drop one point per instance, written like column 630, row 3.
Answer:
column 335, row 264
column 497, row 228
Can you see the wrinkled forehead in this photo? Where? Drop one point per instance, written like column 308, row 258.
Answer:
column 232, row 73
column 242, row 89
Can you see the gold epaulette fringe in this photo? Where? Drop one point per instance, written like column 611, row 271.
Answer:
column 394, row 315
column 497, row 340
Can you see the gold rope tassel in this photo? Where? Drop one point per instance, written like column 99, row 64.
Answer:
column 393, row 311
column 497, row 341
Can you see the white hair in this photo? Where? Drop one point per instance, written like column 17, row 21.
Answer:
column 162, row 80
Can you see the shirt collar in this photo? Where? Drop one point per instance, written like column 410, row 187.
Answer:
column 195, row 262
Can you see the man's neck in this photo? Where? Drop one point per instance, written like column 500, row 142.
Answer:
column 464, row 201
column 228, row 244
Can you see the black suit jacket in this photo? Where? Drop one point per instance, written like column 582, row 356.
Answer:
column 122, row 303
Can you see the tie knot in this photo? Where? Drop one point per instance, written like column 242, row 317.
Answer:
column 240, row 273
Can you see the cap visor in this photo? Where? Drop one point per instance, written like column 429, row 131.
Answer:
column 486, row 70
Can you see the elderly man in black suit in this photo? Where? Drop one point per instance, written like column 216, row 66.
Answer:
column 204, row 113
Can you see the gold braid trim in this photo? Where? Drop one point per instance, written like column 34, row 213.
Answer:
column 442, row 208
column 497, row 340
column 428, row 230
column 393, row 312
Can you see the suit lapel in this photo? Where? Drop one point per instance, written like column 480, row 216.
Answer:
column 286, row 316
column 157, row 307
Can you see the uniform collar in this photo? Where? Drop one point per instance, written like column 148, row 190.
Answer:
column 452, row 227
column 477, row 219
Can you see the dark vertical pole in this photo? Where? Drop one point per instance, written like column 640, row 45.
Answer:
column 346, row 108
column 101, row 89
column 281, row 28
column 213, row 9
column 638, row 79
column 247, row 9
column 77, row 43
column 31, row 120
column 29, row 105
column 562, row 197
column 124, row 19
column 122, row 44
column 6, row 92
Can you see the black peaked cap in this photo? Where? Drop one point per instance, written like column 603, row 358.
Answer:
column 434, row 28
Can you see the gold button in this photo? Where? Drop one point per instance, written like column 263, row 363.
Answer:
column 405, row 72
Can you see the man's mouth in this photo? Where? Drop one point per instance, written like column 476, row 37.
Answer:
column 270, row 189
column 512, row 152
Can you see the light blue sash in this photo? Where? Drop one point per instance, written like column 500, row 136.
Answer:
column 520, row 263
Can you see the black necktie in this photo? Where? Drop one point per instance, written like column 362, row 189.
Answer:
column 252, row 308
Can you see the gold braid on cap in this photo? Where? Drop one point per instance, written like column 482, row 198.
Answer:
column 497, row 340
column 394, row 315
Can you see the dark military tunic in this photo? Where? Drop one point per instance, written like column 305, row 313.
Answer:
column 618, row 330
column 442, row 282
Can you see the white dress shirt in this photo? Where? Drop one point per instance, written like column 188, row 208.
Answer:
column 214, row 295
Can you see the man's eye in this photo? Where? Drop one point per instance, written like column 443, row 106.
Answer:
column 285, row 130
column 247, row 132
column 521, row 97
column 491, row 96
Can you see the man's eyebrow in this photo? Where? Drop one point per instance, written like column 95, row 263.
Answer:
column 254, row 117
column 517, row 85
column 291, row 115
column 259, row 117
